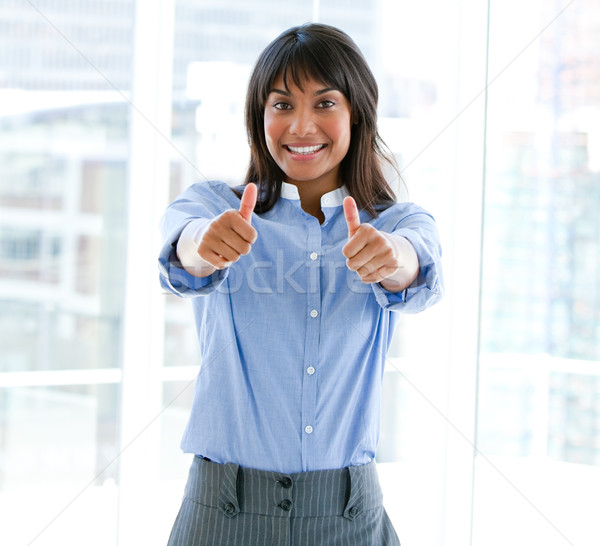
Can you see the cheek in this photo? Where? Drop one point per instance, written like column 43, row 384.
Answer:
column 268, row 129
column 342, row 132
column 272, row 134
column 272, row 128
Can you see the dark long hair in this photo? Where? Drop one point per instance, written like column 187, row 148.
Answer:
column 327, row 55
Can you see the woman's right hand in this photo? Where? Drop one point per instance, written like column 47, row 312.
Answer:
column 230, row 235
column 206, row 245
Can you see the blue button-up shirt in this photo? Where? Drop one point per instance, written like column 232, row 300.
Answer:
column 293, row 344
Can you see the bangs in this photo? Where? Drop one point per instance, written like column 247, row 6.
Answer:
column 303, row 59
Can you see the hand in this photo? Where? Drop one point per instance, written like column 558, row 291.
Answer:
column 230, row 235
column 371, row 253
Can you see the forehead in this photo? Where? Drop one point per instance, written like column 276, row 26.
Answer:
column 305, row 85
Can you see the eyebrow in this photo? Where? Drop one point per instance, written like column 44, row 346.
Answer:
column 316, row 94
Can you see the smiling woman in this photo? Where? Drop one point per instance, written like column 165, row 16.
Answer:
column 317, row 435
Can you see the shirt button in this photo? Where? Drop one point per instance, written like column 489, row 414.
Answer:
column 308, row 429
column 313, row 256
column 310, row 370
column 314, row 313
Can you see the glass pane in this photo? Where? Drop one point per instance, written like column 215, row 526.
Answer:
column 62, row 224
column 540, row 337
column 176, row 403
column 63, row 184
column 58, row 478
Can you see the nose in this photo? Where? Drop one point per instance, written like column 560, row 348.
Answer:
column 302, row 122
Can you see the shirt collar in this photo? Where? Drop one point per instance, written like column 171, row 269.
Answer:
column 330, row 199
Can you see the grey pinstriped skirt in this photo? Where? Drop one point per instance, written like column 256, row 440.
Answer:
column 227, row 505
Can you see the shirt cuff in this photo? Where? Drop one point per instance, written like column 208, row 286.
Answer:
column 410, row 300
column 426, row 290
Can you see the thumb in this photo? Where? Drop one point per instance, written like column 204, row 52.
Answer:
column 248, row 202
column 352, row 216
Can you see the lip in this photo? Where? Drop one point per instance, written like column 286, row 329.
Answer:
column 319, row 147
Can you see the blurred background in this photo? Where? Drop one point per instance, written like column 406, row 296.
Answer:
column 110, row 108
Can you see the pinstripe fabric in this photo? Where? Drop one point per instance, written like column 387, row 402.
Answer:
column 229, row 505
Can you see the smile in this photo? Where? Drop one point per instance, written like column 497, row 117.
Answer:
column 305, row 150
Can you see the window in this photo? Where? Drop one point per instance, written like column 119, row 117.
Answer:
column 491, row 399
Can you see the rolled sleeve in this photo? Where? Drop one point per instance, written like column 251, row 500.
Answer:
column 428, row 288
column 201, row 200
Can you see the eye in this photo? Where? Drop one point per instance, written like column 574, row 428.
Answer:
column 281, row 105
column 326, row 104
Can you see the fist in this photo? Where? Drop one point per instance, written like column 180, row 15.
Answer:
column 230, row 235
column 369, row 252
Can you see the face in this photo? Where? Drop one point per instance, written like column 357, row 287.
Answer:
column 308, row 132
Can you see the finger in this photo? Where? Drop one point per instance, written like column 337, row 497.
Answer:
column 248, row 201
column 352, row 216
column 240, row 245
column 217, row 255
column 380, row 275
column 377, row 265
column 212, row 258
column 361, row 258
column 242, row 229
column 226, row 243
column 361, row 238
column 368, row 247
column 231, row 225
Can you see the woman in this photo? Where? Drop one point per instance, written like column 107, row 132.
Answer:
column 296, row 278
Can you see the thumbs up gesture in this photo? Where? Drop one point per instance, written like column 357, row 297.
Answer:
column 230, row 235
column 377, row 256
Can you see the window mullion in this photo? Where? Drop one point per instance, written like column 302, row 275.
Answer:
column 463, row 272
column 142, row 331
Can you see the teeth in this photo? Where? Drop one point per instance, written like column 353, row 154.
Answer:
column 305, row 150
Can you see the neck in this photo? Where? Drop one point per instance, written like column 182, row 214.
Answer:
column 310, row 197
column 314, row 211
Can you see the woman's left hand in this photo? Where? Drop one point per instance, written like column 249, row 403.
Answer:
column 377, row 256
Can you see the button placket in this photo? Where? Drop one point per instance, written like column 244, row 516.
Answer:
column 228, row 501
column 311, row 345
